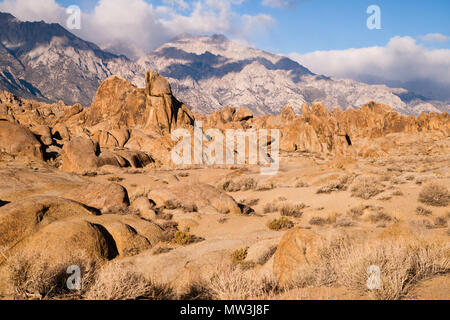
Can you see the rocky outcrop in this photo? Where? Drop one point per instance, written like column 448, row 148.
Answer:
column 119, row 104
column 195, row 197
column 297, row 250
column 130, row 127
column 17, row 184
column 55, row 229
column 82, row 155
column 22, row 218
column 19, row 142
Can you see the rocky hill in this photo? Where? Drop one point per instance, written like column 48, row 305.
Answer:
column 48, row 63
column 130, row 127
column 211, row 72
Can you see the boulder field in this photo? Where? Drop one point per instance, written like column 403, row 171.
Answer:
column 62, row 190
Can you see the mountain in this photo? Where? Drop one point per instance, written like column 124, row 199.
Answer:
column 208, row 72
column 46, row 62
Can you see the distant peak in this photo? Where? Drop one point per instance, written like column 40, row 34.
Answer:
column 189, row 36
column 5, row 16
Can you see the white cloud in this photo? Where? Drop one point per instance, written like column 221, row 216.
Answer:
column 434, row 37
column 402, row 59
column 136, row 26
column 47, row 10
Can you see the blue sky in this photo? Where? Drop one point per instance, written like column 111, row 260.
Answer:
column 309, row 25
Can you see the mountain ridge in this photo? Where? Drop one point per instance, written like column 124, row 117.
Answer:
column 48, row 63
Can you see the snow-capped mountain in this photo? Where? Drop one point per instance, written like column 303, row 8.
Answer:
column 211, row 72
column 46, row 62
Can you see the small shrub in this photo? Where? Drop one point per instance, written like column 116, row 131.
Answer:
column 317, row 221
column 161, row 250
column 115, row 179
column 172, row 204
column 421, row 211
column 358, row 211
column 90, row 174
column 289, row 210
column 169, row 230
column 380, row 216
column 280, row 224
column 183, row 238
column 250, row 202
column 222, row 220
column 271, row 207
column 344, row 222
column 243, row 184
column 247, row 265
column 117, row 282
column 301, row 184
column 339, row 185
column 239, row 255
column 440, row 222
column 265, row 186
column 434, row 195
column 33, row 276
column 366, row 188
column 230, row 283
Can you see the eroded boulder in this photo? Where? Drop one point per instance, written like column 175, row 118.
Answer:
column 193, row 197
column 19, row 142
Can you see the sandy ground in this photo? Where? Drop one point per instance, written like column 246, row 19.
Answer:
column 402, row 178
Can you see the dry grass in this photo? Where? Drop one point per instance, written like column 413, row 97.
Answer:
column 318, row 221
column 358, row 211
column 379, row 216
column 421, row 211
column 184, row 238
column 250, row 202
column 440, row 222
column 366, row 188
column 118, row 282
column 242, row 184
column 343, row 222
column 230, row 283
column 173, row 204
column 290, row 210
column 115, row 179
column 280, row 224
column 271, row 207
column 238, row 256
column 435, row 195
column 33, row 276
column 402, row 265
column 339, row 185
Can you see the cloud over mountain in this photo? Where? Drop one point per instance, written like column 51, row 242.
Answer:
column 402, row 60
column 134, row 27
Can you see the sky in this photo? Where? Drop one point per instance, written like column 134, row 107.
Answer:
column 328, row 36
